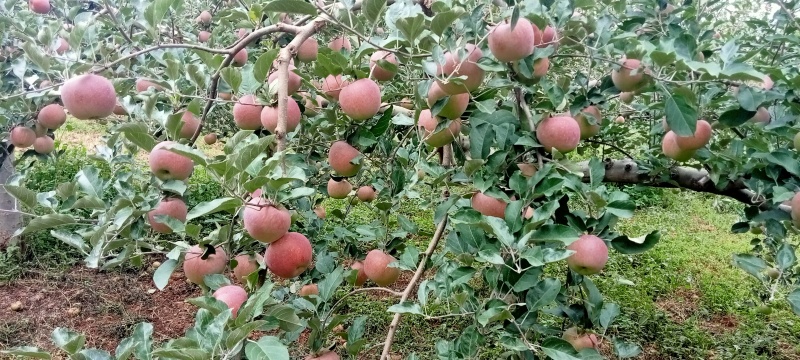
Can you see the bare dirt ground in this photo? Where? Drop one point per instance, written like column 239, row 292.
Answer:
column 102, row 306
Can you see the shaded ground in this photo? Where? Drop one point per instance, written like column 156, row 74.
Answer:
column 102, row 306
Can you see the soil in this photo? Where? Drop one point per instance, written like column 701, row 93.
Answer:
column 103, row 306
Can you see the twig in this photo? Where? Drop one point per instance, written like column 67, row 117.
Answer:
column 113, row 17
column 615, row 147
column 162, row 46
column 417, row 275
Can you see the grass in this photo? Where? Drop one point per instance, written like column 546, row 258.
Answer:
column 682, row 300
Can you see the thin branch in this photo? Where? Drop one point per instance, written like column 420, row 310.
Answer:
column 110, row 12
column 158, row 47
column 417, row 275
column 615, row 147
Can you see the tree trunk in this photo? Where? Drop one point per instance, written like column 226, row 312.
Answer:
column 10, row 220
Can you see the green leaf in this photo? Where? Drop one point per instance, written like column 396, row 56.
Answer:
column 163, row 273
column 597, row 172
column 749, row 99
column 751, row 264
column 608, row 313
column 182, row 354
column 290, row 7
column 36, row 55
column 544, row 293
column 67, row 340
column 559, row 349
column 264, row 64
column 785, row 159
column 297, row 193
column 621, row 208
column 372, row 9
column 213, row 206
column 626, row 350
column 194, row 154
column 156, row 11
column 328, row 285
column 441, row 21
column 90, row 182
column 28, row 351
column 736, row 117
column 252, row 151
column 23, row 195
column 681, row 116
column 46, row 222
column 93, row 354
column 71, row 239
column 138, row 134
column 630, row 246
column 406, row 307
column 286, row 317
column 233, row 77
column 500, row 229
column 411, row 27
column 556, row 232
column 794, row 300
column 266, row 348
column 242, row 332
column 785, row 258
column 125, row 348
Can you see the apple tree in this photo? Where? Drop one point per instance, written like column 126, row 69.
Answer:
column 513, row 123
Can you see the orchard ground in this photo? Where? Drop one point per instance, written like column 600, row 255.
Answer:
column 684, row 299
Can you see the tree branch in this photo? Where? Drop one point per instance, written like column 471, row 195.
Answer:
column 417, row 275
column 628, row 172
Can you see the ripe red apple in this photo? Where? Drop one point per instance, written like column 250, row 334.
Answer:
column 52, row 116
column 767, row 83
column 204, row 18
column 210, row 139
column 591, row 255
column 269, row 116
column 203, row 36
column 240, row 58
column 670, row 148
column 762, row 116
column 332, row 85
column 361, row 277
column 366, row 193
column 167, row 165
column 307, row 51
column 308, row 290
column 89, row 96
column 379, row 73
column 511, row 44
column 455, row 105
column 580, row 340
column 428, row 125
column 701, row 137
column 376, row 267
column 795, row 204
column 43, row 145
column 527, row 170
column 620, row 120
column 549, row 37
column 294, row 80
column 319, row 210
column 340, row 156
column 143, row 85
column 560, row 132
column 454, row 67
column 488, row 205
column 624, row 79
column 63, row 46
column 189, row 124
column 39, row 6
column 339, row 43
column 587, row 129
column 232, row 295
column 266, row 222
column 196, row 268
column 360, row 100
column 626, row 97
column 169, row 206
column 289, row 256
column 247, row 113
column 339, row 189
column 22, row 137
column 246, row 265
